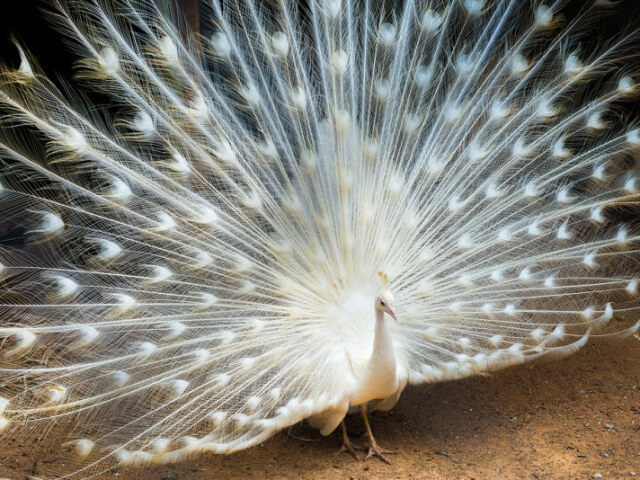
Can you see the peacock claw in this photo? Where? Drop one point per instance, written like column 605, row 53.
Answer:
column 376, row 451
column 350, row 448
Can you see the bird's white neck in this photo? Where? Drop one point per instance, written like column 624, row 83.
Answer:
column 382, row 341
column 379, row 379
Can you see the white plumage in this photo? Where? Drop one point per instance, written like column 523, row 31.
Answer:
column 206, row 248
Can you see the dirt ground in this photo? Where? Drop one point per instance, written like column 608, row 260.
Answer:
column 576, row 418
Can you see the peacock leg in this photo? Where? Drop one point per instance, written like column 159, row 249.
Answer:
column 374, row 448
column 347, row 446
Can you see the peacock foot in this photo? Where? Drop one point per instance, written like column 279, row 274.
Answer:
column 377, row 451
column 351, row 448
column 347, row 445
column 374, row 449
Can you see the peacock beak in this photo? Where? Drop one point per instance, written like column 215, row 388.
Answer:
column 392, row 312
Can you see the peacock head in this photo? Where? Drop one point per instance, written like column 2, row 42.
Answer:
column 384, row 303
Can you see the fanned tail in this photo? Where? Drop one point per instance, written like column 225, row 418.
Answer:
column 206, row 216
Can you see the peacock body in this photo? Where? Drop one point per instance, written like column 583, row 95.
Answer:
column 210, row 218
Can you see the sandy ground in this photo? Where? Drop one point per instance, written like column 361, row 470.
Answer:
column 576, row 418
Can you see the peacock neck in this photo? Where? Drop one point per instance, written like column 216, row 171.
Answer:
column 382, row 342
column 378, row 379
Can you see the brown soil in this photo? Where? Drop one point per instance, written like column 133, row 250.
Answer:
column 577, row 418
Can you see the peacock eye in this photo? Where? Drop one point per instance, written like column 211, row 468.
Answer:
column 382, row 302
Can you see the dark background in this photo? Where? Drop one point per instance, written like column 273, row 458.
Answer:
column 24, row 20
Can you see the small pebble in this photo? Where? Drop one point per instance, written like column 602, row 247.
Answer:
column 597, row 475
column 608, row 425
